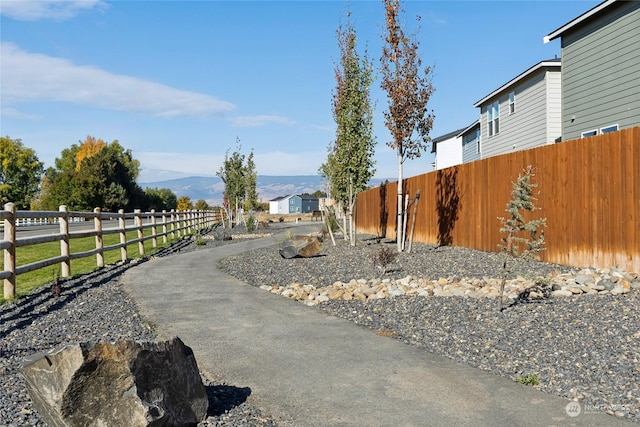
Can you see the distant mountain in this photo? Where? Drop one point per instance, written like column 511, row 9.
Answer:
column 211, row 188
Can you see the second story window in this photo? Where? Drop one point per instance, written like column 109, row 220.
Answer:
column 493, row 118
column 512, row 102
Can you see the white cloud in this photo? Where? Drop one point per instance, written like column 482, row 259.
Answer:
column 255, row 121
column 12, row 112
column 31, row 76
column 58, row 10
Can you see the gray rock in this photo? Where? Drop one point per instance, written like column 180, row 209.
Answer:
column 115, row 384
column 583, row 279
column 608, row 284
column 222, row 235
column 301, row 246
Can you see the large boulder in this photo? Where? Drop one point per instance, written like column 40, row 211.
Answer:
column 124, row 383
column 301, row 246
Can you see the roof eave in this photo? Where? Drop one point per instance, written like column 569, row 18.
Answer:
column 588, row 14
column 465, row 130
column 512, row 82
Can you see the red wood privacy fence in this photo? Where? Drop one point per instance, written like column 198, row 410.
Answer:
column 164, row 225
column 589, row 191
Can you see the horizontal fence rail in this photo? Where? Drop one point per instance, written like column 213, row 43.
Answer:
column 588, row 189
column 162, row 225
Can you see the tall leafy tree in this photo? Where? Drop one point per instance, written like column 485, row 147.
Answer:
column 251, row 180
column 232, row 174
column 239, row 180
column 161, row 199
column 184, row 203
column 349, row 165
column 408, row 87
column 201, row 205
column 20, row 173
column 93, row 174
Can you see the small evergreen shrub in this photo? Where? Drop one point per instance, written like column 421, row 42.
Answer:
column 515, row 226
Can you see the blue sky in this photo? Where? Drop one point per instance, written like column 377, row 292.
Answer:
column 177, row 82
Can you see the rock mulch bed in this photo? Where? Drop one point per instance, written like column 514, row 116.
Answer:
column 92, row 307
column 575, row 332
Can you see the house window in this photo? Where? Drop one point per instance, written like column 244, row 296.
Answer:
column 512, row 102
column 589, row 133
column 608, row 129
column 493, row 118
column 478, row 141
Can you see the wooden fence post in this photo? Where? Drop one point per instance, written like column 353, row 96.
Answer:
column 123, row 234
column 10, row 252
column 173, row 224
column 138, row 222
column 65, row 266
column 164, row 226
column 97, row 221
column 154, row 229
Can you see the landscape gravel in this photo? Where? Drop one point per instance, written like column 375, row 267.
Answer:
column 92, row 307
column 585, row 348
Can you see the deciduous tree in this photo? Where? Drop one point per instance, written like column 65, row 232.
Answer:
column 20, row 173
column 349, row 165
column 408, row 88
column 161, row 199
column 239, row 180
column 93, row 174
column 184, row 203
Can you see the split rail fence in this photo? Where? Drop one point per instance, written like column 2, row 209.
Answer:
column 163, row 225
column 588, row 189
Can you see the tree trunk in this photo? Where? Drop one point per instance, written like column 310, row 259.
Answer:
column 399, row 216
column 345, row 233
column 352, row 239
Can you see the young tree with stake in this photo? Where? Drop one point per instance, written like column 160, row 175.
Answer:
column 349, row 165
column 409, row 88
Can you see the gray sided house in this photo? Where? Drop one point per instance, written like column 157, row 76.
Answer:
column 524, row 112
column 303, row 204
column 471, row 146
column 600, row 69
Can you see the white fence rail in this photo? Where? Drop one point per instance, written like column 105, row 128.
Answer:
column 164, row 225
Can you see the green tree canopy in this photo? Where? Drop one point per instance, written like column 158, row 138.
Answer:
column 161, row 199
column 20, row 173
column 93, row 174
column 239, row 179
column 201, row 205
column 349, row 165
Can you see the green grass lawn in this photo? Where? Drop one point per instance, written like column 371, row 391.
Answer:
column 27, row 282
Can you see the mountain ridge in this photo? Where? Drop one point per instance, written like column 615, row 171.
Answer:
column 210, row 188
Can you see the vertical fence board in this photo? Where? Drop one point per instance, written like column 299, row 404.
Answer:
column 589, row 191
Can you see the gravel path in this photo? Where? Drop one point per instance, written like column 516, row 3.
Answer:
column 585, row 348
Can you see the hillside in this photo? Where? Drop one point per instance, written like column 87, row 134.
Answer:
column 210, row 188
